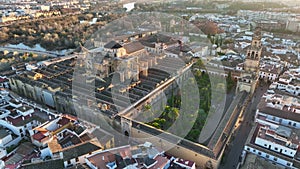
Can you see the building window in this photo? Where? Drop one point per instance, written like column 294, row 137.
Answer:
column 290, row 123
column 259, row 153
column 248, row 148
column 254, row 151
column 288, row 164
column 266, row 145
column 276, row 148
column 275, row 159
column 77, row 159
column 267, row 156
column 294, row 124
column 69, row 162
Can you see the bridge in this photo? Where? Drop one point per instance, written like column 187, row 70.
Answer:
column 47, row 53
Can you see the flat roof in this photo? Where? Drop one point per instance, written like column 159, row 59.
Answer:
column 3, row 133
column 24, row 108
column 253, row 161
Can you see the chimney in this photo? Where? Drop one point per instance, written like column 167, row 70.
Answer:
column 180, row 45
column 150, row 62
column 180, row 53
column 122, row 76
column 145, row 72
column 23, row 118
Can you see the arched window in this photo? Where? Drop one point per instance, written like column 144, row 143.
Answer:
column 252, row 54
column 126, row 133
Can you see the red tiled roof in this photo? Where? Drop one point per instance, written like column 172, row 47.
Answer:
column 109, row 156
column 16, row 121
column 298, row 150
column 63, row 121
column 161, row 162
column 38, row 136
column 3, row 80
column 86, row 137
column 71, row 117
column 133, row 47
column 185, row 162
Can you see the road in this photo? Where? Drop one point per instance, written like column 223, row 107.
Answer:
column 235, row 148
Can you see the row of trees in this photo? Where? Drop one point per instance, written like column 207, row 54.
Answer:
column 169, row 115
column 204, row 87
column 179, row 7
column 52, row 34
column 173, row 111
column 6, row 61
column 254, row 5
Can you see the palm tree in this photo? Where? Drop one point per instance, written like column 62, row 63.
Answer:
column 167, row 109
column 147, row 107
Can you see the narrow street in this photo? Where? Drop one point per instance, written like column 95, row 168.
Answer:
column 235, row 148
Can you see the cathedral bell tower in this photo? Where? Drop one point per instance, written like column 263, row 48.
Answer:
column 254, row 53
column 249, row 78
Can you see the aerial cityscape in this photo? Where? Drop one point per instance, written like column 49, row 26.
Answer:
column 136, row 84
